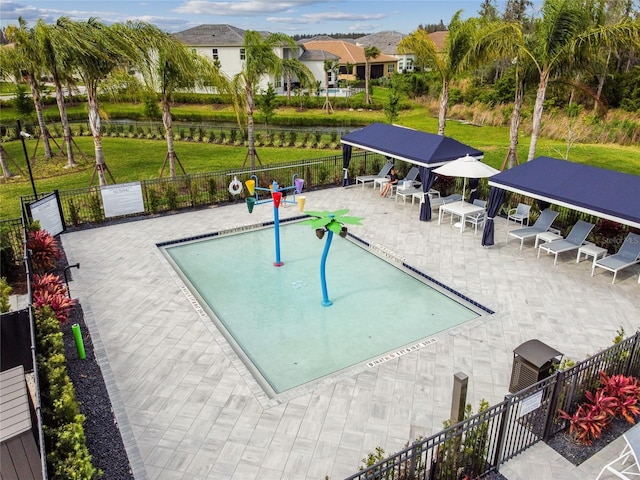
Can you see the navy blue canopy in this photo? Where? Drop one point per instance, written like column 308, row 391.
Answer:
column 413, row 146
column 596, row 191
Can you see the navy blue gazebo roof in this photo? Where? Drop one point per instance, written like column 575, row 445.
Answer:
column 409, row 145
column 596, row 191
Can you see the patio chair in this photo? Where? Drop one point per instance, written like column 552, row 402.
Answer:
column 438, row 201
column 629, row 254
column 626, row 466
column 519, row 214
column 478, row 218
column 370, row 178
column 574, row 240
column 542, row 224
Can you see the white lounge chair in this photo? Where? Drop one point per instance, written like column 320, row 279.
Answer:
column 437, row 202
column 542, row 224
column 478, row 218
column 370, row 178
column 574, row 240
column 519, row 214
column 626, row 466
column 629, row 254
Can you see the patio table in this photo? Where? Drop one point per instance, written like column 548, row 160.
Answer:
column 459, row 209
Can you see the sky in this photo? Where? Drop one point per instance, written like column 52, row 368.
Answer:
column 289, row 16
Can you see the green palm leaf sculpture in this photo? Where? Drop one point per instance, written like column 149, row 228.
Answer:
column 331, row 222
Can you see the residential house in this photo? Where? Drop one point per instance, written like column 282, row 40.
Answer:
column 387, row 42
column 225, row 45
column 352, row 60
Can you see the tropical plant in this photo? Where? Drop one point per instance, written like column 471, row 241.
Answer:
column 329, row 222
column 25, row 62
column 260, row 59
column 167, row 65
column 564, row 39
column 44, row 250
column 57, row 59
column 369, row 53
column 447, row 63
column 97, row 50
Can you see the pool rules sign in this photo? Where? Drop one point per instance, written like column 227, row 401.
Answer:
column 122, row 199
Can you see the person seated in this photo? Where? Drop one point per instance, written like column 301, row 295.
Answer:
column 393, row 180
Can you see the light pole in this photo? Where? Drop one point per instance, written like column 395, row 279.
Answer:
column 24, row 135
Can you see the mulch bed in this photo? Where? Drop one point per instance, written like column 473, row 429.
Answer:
column 576, row 453
column 101, row 429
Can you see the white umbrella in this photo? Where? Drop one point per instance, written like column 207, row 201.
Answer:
column 467, row 167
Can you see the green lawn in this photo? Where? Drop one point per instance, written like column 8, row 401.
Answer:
column 133, row 159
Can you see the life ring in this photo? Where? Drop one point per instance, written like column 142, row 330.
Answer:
column 235, row 187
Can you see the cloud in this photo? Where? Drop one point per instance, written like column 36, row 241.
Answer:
column 314, row 18
column 244, row 8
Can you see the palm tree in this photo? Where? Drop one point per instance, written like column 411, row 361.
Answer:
column 329, row 222
column 369, row 53
column 498, row 40
column 97, row 51
column 294, row 68
column 167, row 65
column 564, row 39
column 330, row 66
column 27, row 63
column 260, row 59
column 58, row 61
column 447, row 63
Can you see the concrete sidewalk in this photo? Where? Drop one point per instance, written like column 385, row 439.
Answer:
column 189, row 408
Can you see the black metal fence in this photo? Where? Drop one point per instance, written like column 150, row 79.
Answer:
column 480, row 444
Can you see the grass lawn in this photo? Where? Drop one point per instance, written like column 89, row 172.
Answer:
column 134, row 159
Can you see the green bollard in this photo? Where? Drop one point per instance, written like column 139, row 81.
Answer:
column 77, row 336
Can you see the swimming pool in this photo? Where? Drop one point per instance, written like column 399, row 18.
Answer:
column 274, row 318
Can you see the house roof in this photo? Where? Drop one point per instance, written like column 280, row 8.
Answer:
column 596, row 191
column 347, row 52
column 316, row 55
column 387, row 42
column 409, row 145
column 221, row 35
column 439, row 38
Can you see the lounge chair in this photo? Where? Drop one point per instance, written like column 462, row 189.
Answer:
column 542, row 224
column 519, row 214
column 478, row 218
column 574, row 240
column 370, row 178
column 629, row 254
column 625, row 465
column 409, row 181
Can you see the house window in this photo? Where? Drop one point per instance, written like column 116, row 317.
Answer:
column 215, row 53
column 194, row 51
column 390, row 68
column 409, row 64
column 242, row 54
column 400, row 65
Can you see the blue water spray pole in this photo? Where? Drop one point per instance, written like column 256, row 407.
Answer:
column 323, row 276
column 276, row 228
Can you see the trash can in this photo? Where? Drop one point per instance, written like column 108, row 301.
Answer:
column 532, row 362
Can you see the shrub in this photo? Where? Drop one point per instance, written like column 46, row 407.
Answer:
column 44, row 251
column 617, row 397
column 48, row 291
column 5, row 292
column 95, row 207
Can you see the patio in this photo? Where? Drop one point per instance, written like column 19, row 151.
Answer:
column 188, row 408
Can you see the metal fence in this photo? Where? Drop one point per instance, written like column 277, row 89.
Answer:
column 480, row 444
column 83, row 207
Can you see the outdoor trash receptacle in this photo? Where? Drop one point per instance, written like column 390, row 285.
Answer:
column 532, row 362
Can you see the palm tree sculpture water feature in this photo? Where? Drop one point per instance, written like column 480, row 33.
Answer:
column 330, row 222
column 276, row 199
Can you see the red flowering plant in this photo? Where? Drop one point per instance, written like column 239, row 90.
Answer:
column 48, row 291
column 45, row 252
column 618, row 397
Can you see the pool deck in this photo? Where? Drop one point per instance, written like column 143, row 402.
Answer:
column 189, row 409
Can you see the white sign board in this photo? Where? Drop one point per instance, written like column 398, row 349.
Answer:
column 47, row 212
column 531, row 403
column 122, row 199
